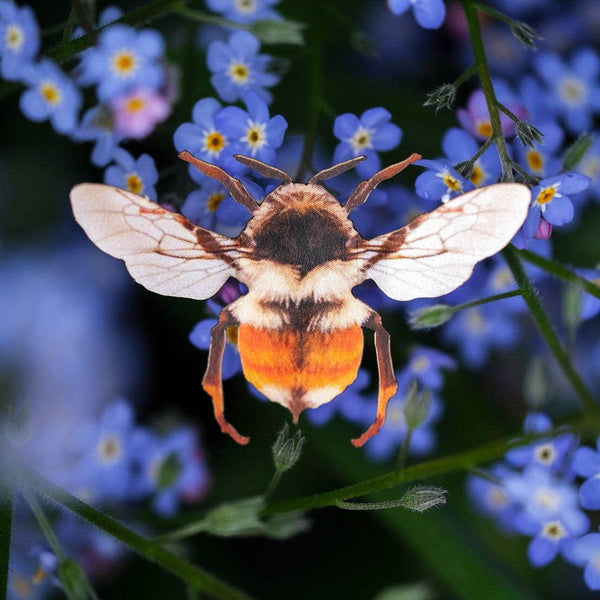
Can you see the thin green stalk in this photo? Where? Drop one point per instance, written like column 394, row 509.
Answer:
column 439, row 466
column 486, row 300
column 192, row 575
column 6, row 517
column 44, row 524
column 403, row 454
column 558, row 270
column 488, row 87
column 273, row 484
column 547, row 331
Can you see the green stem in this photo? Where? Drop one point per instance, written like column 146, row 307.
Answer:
column 138, row 16
column 488, row 87
column 208, row 19
column 486, row 300
column 559, row 270
column 273, row 484
column 44, row 524
column 6, row 517
column 403, row 454
column 194, row 576
column 547, row 331
column 439, row 466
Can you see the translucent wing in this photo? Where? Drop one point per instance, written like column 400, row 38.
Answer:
column 437, row 252
column 163, row 251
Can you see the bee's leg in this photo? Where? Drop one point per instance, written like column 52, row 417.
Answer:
column 388, row 385
column 213, row 380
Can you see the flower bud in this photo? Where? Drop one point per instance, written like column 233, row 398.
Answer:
column 422, row 498
column 280, row 31
column 287, row 450
column 417, row 405
column 443, row 96
column 432, row 316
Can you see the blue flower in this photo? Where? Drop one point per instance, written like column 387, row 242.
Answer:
column 213, row 207
column 441, row 181
column 237, row 67
column 586, row 551
column 107, row 458
column 426, row 367
column 51, row 95
column 549, row 200
column 19, row 40
column 574, row 87
column 429, row 14
column 170, row 468
column 123, row 58
column 590, row 305
column 200, row 337
column 97, row 125
column 551, row 453
column 459, row 146
column 366, row 135
column 590, row 166
column 246, row 11
column 586, row 463
column 205, row 139
column 138, row 176
column 253, row 132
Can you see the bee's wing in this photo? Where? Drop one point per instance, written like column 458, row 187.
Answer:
column 163, row 251
column 437, row 252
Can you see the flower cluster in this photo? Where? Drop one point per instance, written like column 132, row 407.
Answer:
column 538, row 491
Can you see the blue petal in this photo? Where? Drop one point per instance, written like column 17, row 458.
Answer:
column 345, row 126
column 200, row 334
column 33, row 106
column 430, row 14
column 375, row 117
column 586, row 462
column 589, row 493
column 399, row 6
column 218, row 56
column 542, row 551
column 387, row 137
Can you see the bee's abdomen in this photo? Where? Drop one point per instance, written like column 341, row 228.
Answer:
column 300, row 369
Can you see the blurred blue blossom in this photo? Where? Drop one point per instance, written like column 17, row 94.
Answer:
column 123, row 58
column 586, row 553
column 19, row 39
column 586, row 463
column 429, row 14
column 254, row 132
column 366, row 135
column 426, row 366
column 574, row 87
column 51, row 95
column 244, row 11
column 169, row 468
column 138, row 111
column 97, row 125
column 138, row 176
column 237, row 67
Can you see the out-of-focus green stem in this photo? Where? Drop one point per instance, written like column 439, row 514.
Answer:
column 547, row 330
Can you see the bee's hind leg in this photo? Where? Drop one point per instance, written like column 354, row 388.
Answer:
column 213, row 380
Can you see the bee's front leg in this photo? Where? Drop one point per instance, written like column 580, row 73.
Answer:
column 213, row 380
column 388, row 385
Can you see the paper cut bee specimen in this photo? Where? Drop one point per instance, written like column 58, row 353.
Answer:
column 300, row 333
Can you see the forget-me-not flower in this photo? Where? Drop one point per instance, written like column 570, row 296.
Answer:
column 19, row 39
column 138, row 176
column 366, row 135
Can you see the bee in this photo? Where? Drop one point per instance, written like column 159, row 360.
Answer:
column 300, row 335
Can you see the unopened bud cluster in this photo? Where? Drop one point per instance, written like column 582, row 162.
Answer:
column 287, row 450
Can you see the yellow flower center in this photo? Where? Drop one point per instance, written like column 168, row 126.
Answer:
column 239, row 72
column 554, row 530
column 478, row 175
column 591, row 166
column 51, row 93
column 135, row 104
column 475, row 320
column 215, row 200
column 14, row 37
column 246, row 7
column 256, row 137
column 109, row 449
column 22, row 587
column 536, row 161
column 134, row 183
column 484, row 128
column 572, row 91
column 548, row 499
column 125, row 63
column 361, row 139
column 214, row 142
column 452, row 182
column 39, row 576
column 546, row 195
column 545, row 454
column 497, row 497
column 502, row 279
column 421, row 364
column 395, row 416
column 232, row 334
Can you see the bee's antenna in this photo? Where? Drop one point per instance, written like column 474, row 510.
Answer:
column 236, row 188
column 336, row 169
column 263, row 168
column 364, row 188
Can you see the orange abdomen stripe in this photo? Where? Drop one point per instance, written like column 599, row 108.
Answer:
column 300, row 360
